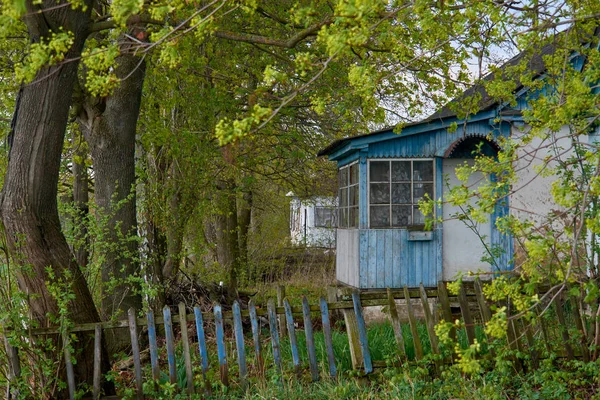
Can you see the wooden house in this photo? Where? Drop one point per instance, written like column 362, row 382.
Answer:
column 381, row 240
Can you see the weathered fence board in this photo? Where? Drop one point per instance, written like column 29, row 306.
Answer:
column 327, row 337
column 170, row 345
column 310, row 342
column 413, row 326
column 135, row 349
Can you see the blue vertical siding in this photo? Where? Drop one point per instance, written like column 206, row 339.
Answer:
column 394, row 261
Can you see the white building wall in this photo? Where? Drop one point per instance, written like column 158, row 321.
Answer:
column 303, row 231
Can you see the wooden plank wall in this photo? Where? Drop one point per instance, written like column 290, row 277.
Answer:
column 389, row 259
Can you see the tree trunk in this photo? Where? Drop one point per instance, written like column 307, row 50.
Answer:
column 80, row 203
column 226, row 232
column 29, row 198
column 112, row 122
column 244, row 221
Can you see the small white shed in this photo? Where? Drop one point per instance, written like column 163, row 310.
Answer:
column 313, row 221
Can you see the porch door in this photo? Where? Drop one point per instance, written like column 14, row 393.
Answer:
column 462, row 248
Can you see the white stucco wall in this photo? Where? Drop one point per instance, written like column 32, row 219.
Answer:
column 531, row 198
column 462, row 248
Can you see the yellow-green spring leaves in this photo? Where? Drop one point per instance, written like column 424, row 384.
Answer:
column 228, row 131
column 100, row 79
column 43, row 54
column 123, row 9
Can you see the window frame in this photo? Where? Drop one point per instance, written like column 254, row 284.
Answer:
column 341, row 223
column 390, row 182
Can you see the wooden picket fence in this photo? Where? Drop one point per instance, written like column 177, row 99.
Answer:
column 346, row 301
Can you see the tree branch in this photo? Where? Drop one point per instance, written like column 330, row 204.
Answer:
column 257, row 39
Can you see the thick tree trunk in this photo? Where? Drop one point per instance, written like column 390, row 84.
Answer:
column 112, row 122
column 29, row 197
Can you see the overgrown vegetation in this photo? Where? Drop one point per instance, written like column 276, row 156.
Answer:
column 154, row 142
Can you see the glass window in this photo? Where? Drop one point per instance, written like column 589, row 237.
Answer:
column 325, row 217
column 348, row 196
column 395, row 188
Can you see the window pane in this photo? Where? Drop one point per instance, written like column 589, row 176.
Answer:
column 380, row 216
column 380, row 193
column 353, row 217
column 353, row 200
column 323, row 217
column 354, row 174
column 401, row 193
column 419, row 217
column 400, row 171
column 423, row 170
column 343, row 217
column 401, row 215
column 379, row 171
column 344, row 197
column 420, row 189
column 343, row 177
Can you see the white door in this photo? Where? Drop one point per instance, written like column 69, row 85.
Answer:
column 462, row 248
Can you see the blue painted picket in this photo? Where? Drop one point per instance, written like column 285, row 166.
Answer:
column 362, row 332
column 256, row 337
column 221, row 352
column 152, row 345
column 239, row 342
column 274, row 335
column 170, row 344
column 292, row 334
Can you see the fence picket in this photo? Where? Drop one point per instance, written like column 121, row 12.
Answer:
column 260, row 364
column 97, row 380
column 221, row 351
column 185, row 340
column 310, row 342
column 239, row 343
column 466, row 314
column 292, row 335
column 413, row 326
column 135, row 349
column 153, row 346
column 352, row 330
column 486, row 314
column 280, row 297
column 396, row 323
column 446, row 311
column 327, row 337
column 202, row 347
column 430, row 324
column 170, row 344
column 362, row 332
column 69, row 365
column 274, row 335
